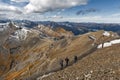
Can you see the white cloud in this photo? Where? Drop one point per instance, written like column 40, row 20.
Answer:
column 56, row 17
column 49, row 5
column 11, row 11
column 12, row 15
column 19, row 1
column 7, row 7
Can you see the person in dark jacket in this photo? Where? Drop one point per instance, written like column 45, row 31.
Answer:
column 12, row 64
column 61, row 64
column 67, row 61
column 75, row 59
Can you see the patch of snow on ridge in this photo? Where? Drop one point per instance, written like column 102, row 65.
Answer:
column 16, row 26
column 115, row 41
column 107, row 44
column 21, row 34
column 106, row 34
column 44, row 76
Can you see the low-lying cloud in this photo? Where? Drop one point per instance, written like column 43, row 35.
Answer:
column 42, row 6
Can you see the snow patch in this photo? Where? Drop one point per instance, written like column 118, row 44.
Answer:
column 21, row 34
column 106, row 34
column 16, row 26
column 115, row 41
column 108, row 44
column 44, row 76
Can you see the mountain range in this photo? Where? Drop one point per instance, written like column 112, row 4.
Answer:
column 34, row 52
column 76, row 28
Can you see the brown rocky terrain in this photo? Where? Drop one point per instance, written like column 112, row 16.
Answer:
column 37, row 55
column 103, row 64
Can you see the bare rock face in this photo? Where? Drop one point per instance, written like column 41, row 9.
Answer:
column 4, row 59
column 5, row 32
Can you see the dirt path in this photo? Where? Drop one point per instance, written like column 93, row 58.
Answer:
column 85, row 54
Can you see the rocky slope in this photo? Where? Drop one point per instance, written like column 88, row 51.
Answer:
column 103, row 64
column 34, row 53
column 15, row 40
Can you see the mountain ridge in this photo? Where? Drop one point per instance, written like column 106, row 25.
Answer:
column 39, row 52
column 76, row 28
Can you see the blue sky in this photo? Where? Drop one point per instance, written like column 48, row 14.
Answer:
column 100, row 11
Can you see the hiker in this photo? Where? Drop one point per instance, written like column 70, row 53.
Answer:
column 67, row 61
column 61, row 64
column 75, row 59
column 12, row 64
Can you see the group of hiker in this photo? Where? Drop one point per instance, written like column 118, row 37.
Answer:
column 67, row 61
